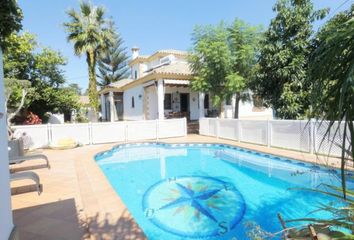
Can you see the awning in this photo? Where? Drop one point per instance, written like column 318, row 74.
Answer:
column 176, row 82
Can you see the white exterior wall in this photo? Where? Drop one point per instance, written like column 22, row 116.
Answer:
column 6, row 224
column 136, row 113
column 246, row 109
column 151, row 97
column 140, row 68
column 133, row 69
column 247, row 112
column 229, row 111
column 194, row 109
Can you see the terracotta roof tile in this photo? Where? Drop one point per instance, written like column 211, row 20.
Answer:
column 174, row 68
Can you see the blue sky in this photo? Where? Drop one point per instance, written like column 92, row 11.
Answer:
column 150, row 25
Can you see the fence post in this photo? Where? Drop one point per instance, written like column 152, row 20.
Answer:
column 90, row 132
column 269, row 133
column 49, row 133
column 157, row 129
column 239, row 129
column 185, row 126
column 126, row 137
column 217, row 126
column 312, row 137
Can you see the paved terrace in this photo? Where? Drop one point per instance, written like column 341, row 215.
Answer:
column 78, row 202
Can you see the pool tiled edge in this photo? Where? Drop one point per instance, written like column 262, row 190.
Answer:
column 112, row 209
column 99, row 201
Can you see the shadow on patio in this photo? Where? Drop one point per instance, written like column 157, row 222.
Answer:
column 63, row 220
column 109, row 227
column 56, row 220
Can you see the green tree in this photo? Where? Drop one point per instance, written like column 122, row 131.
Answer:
column 112, row 64
column 18, row 55
column 223, row 60
column 15, row 99
column 243, row 41
column 48, row 80
column 55, row 100
column 10, row 19
column 331, row 75
column 284, row 54
column 91, row 34
column 47, row 68
column 41, row 71
column 211, row 62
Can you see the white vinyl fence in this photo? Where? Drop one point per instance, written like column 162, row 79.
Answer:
column 298, row 135
column 107, row 132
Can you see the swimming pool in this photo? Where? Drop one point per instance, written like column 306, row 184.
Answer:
column 210, row 191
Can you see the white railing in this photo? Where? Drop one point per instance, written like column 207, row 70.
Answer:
column 298, row 135
column 108, row 132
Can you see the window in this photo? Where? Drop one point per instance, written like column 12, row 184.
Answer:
column 135, row 74
column 168, row 101
column 206, row 101
column 133, row 103
column 257, row 101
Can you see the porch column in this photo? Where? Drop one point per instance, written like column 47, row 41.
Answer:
column 103, row 107
column 6, row 224
column 111, row 106
column 160, row 99
column 201, row 105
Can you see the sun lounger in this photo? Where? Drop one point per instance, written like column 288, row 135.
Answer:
column 27, row 175
column 20, row 159
column 17, row 153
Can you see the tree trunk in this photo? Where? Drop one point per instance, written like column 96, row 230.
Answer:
column 237, row 107
column 222, row 110
column 93, row 96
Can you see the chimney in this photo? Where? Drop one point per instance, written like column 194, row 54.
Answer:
column 135, row 52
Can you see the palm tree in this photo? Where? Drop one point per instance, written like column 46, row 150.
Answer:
column 91, row 34
column 112, row 65
column 332, row 79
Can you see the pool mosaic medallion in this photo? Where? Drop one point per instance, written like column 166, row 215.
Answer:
column 194, row 206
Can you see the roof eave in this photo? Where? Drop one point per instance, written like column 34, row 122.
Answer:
column 108, row 89
column 156, row 76
column 155, row 55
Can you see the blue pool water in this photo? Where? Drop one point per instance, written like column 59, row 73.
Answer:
column 209, row 191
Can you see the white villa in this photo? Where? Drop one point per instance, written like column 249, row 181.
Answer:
column 159, row 88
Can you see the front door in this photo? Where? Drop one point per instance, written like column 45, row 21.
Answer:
column 184, row 102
